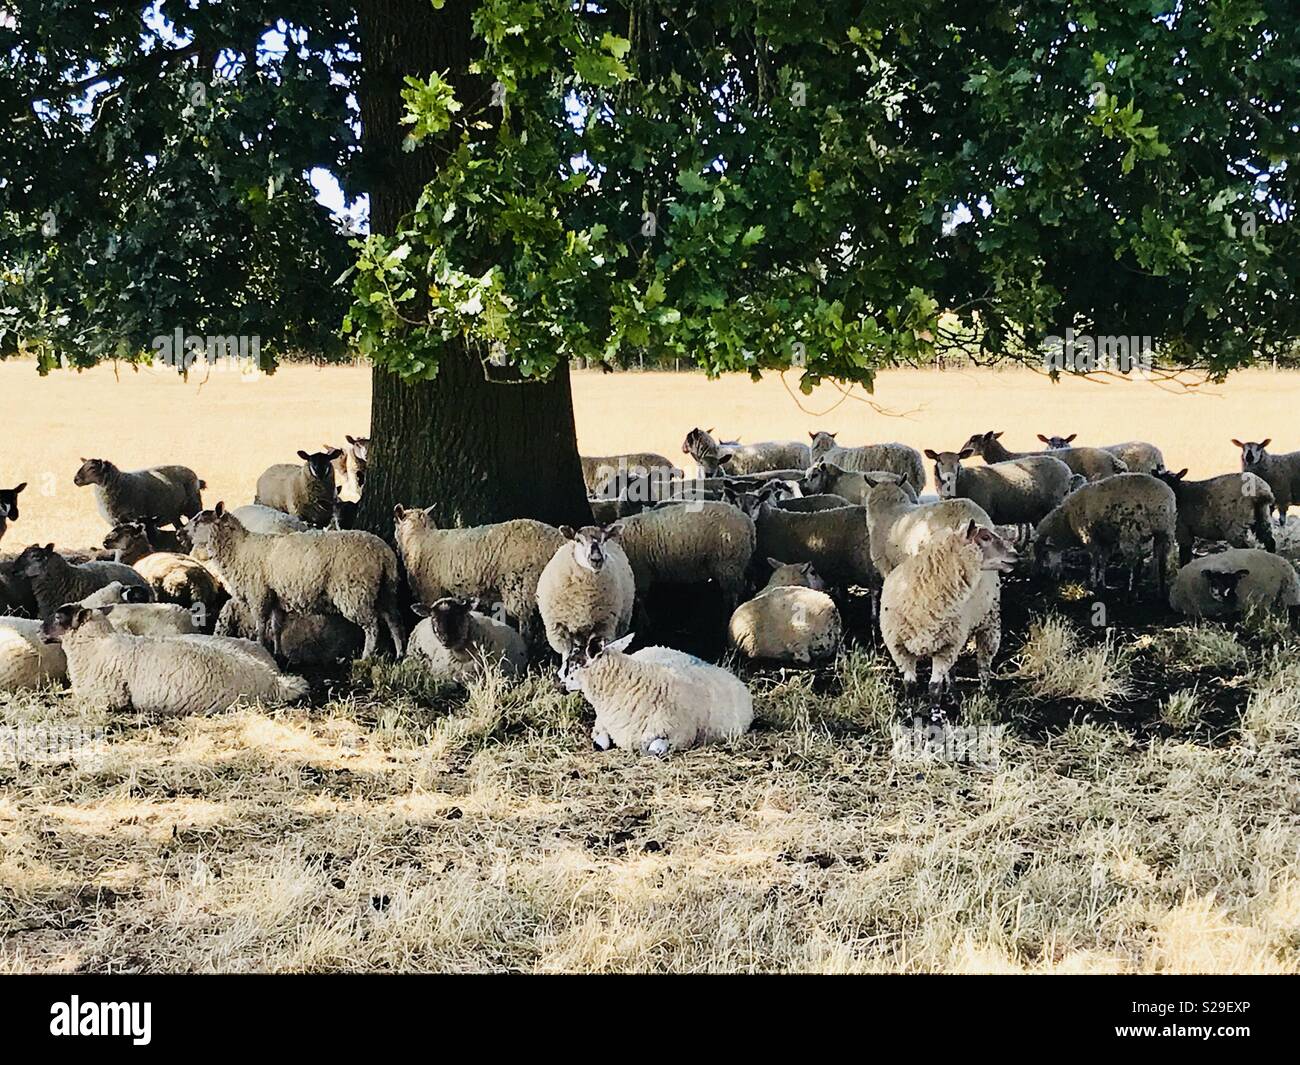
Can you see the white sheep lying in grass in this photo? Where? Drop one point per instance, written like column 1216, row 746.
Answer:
column 935, row 601
column 791, row 620
column 1233, row 581
column 162, row 674
column 587, row 587
column 26, row 660
column 128, row 610
column 658, row 700
column 460, row 644
column 260, row 519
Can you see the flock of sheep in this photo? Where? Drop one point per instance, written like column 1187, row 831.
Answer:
column 191, row 618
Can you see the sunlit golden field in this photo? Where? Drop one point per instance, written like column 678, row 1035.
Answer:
column 229, row 430
column 1142, row 813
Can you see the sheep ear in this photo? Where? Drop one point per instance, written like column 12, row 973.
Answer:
column 996, row 436
column 20, row 487
column 1070, row 437
column 567, row 531
column 349, row 438
column 1180, row 474
column 398, row 511
column 219, row 509
column 725, row 459
column 965, row 453
column 303, row 455
column 930, row 453
column 50, row 548
column 970, row 530
column 812, row 436
column 1266, row 442
column 1237, row 443
column 1043, row 438
column 775, row 563
column 709, row 430
column 620, row 643
column 420, row 610
column 613, row 532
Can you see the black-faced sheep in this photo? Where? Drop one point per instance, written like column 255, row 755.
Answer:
column 460, row 643
column 306, row 491
column 1234, row 581
column 1282, row 472
column 55, row 580
column 1229, row 507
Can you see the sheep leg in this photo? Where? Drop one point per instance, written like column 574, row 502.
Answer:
column 394, row 624
column 940, row 666
column 1160, row 551
column 657, row 747
column 276, row 628
column 988, row 638
column 906, row 662
column 600, row 739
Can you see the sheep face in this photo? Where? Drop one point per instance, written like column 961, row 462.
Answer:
column 818, row 478
column 208, row 529
column 69, row 618
column 130, row 536
column 360, row 448
column 320, row 464
column 947, row 466
column 699, row 441
column 1253, row 452
column 581, row 658
column 795, row 575
column 412, row 519
column 1222, row 585
column 588, row 544
column 1055, row 443
column 996, row 553
column 822, row 442
column 93, row 471
column 979, row 442
column 449, row 619
column 34, row 560
column 9, row 500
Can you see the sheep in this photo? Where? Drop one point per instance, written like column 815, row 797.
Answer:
column 174, row 577
column 144, row 619
column 9, row 500
column 16, row 595
column 460, row 643
column 4, row 520
column 1092, row 463
column 1282, row 472
column 935, row 601
column 133, row 540
column 834, row 541
column 809, row 504
column 1137, row 455
column 350, row 573
column 114, row 593
column 162, row 494
column 305, row 639
column 350, row 465
column 890, row 458
column 1123, row 513
column 344, row 514
column 259, row 519
column 791, row 620
column 1234, row 581
column 657, row 700
column 690, row 543
column 161, row 674
column 1229, row 507
column 501, row 561
column 739, row 458
column 586, row 587
column 55, row 580
column 26, row 660
column 854, row 485
column 306, row 491
column 899, row 527
column 1022, row 490
column 612, row 476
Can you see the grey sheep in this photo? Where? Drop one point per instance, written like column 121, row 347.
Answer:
column 162, row 495
column 1234, row 581
column 1282, row 472
column 889, row 458
column 1022, row 490
column 690, row 543
column 739, row 458
column 55, row 580
column 306, row 491
column 836, row 541
column 1137, row 455
column 1091, row 463
column 1229, row 507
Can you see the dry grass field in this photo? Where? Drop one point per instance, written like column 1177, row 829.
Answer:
column 1133, row 805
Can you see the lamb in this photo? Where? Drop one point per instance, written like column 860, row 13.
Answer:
column 259, row 519
column 1229, row 507
column 306, row 491
column 1282, row 472
column 1022, row 490
column 460, row 643
column 854, row 485
column 350, row 465
column 161, row 494
column 743, row 458
column 55, row 580
column 658, row 700
column 836, row 541
column 890, row 458
column 1234, row 581
column 174, row 577
column 26, row 660
column 1124, row 513
column 686, row 544
column 791, row 620
column 9, row 500
column 898, row 527
column 500, row 562
column 305, row 639
column 587, row 587
column 1092, row 463
column 1137, row 455
column 161, row 674
column 350, row 573
column 935, row 601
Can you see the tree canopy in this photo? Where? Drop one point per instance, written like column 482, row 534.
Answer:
column 744, row 185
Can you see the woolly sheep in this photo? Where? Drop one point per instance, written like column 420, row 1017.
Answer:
column 148, row 619
column 26, row 660
column 899, row 528
column 55, row 580
column 1233, row 581
column 161, row 674
column 587, row 587
column 1282, row 472
column 1126, row 513
column 739, row 458
column 1022, row 490
column 836, row 541
column 460, row 643
column 259, row 519
column 808, row 504
column 608, row 476
column 1137, row 455
column 174, row 577
column 871, row 458
column 935, row 601
column 350, row 573
column 687, row 544
column 658, row 700
column 791, row 620
column 160, row 494
column 501, row 562
column 854, row 485
column 1092, row 463
column 116, row 592
column 1229, row 507
column 306, row 491
column 305, row 639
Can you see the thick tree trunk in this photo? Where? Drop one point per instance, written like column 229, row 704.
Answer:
column 476, row 451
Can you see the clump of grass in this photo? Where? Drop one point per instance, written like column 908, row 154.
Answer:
column 410, row 678
column 1182, row 709
column 866, row 692
column 1273, row 710
column 1268, row 625
column 1056, row 665
column 1198, row 648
